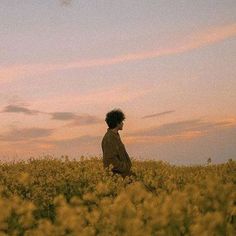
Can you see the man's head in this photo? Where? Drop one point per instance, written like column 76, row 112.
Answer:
column 115, row 118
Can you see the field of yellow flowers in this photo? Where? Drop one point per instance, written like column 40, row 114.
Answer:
column 52, row 196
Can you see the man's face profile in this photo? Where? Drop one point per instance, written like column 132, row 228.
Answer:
column 120, row 125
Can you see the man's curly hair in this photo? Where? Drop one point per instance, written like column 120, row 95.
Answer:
column 114, row 117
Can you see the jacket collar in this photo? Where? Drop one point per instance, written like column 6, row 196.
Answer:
column 113, row 133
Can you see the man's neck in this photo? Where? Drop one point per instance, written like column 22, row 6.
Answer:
column 115, row 130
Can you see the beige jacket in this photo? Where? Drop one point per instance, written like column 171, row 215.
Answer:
column 114, row 153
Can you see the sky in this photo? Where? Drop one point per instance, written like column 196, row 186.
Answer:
column 168, row 65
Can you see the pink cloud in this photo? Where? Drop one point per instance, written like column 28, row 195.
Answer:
column 98, row 97
column 183, row 130
column 158, row 139
column 191, row 42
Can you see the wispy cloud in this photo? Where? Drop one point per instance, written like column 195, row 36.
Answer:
column 186, row 129
column 102, row 96
column 168, row 129
column 83, row 144
column 63, row 115
column 191, row 42
column 187, row 135
column 19, row 109
column 81, row 140
column 25, row 134
column 77, row 120
column 85, row 120
column 158, row 114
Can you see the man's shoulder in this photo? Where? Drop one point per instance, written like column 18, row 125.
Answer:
column 108, row 136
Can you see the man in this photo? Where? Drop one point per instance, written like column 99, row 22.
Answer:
column 113, row 149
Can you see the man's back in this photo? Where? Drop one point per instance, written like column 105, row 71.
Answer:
column 114, row 153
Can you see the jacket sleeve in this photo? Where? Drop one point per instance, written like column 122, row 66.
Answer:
column 111, row 156
column 128, row 158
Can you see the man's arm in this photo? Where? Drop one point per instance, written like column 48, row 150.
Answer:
column 111, row 156
column 128, row 158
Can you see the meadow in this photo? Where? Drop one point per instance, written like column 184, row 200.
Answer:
column 52, row 196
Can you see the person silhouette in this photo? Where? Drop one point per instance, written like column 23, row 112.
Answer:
column 114, row 151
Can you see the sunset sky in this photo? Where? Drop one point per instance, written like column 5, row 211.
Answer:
column 168, row 65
